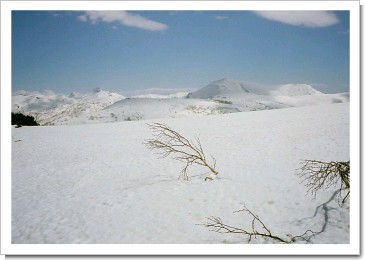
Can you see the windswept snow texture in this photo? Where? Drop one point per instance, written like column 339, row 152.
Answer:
column 99, row 184
column 220, row 97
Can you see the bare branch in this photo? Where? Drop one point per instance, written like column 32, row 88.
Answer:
column 322, row 175
column 262, row 231
column 317, row 175
column 258, row 229
column 171, row 143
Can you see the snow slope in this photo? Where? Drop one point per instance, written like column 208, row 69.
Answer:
column 294, row 90
column 98, row 183
column 131, row 109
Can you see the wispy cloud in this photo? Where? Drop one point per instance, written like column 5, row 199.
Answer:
column 301, row 18
column 344, row 31
column 220, row 17
column 172, row 13
column 124, row 18
column 82, row 18
column 57, row 15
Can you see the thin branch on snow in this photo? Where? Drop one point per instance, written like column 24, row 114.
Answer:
column 171, row 143
column 258, row 229
column 217, row 225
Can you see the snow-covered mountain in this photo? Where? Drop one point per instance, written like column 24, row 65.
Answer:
column 250, row 96
column 294, row 90
column 226, row 87
column 56, row 109
column 219, row 97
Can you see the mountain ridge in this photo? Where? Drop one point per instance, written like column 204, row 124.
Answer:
column 219, row 97
column 227, row 86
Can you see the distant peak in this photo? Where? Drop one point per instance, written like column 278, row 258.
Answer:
column 96, row 90
column 223, row 80
column 72, row 94
column 296, row 90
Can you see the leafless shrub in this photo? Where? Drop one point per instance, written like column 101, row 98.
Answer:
column 171, row 143
column 317, row 175
column 258, row 229
column 322, row 175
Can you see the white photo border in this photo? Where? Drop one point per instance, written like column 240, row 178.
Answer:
column 353, row 248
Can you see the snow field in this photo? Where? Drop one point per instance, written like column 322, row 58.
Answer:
column 98, row 183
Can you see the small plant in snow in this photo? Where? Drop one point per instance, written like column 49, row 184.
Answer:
column 322, row 175
column 258, row 229
column 318, row 175
column 171, row 143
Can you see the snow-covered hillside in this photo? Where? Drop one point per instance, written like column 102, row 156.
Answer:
column 226, row 87
column 56, row 109
column 98, row 183
column 131, row 109
column 220, row 97
column 250, row 96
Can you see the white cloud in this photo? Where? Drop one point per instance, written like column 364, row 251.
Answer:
column 124, row 18
column 82, row 18
column 301, row 18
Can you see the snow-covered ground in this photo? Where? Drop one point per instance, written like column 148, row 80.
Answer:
column 98, row 183
column 219, row 97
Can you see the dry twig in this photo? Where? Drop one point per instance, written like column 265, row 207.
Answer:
column 217, row 225
column 322, row 175
column 169, row 142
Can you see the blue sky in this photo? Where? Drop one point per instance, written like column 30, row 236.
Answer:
column 125, row 51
